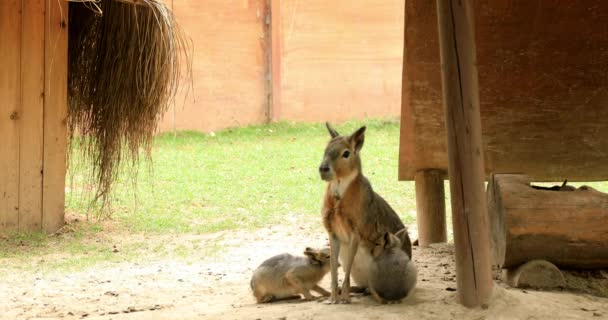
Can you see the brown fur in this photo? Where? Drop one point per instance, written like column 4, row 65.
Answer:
column 286, row 277
column 353, row 214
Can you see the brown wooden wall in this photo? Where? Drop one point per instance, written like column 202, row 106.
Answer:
column 543, row 81
column 339, row 60
column 33, row 106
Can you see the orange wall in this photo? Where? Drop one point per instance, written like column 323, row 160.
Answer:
column 340, row 60
column 227, row 62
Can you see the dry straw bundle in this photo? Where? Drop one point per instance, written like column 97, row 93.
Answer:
column 124, row 69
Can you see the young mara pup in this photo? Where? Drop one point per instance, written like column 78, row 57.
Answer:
column 286, row 277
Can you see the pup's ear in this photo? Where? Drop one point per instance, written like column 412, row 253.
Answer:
column 332, row 132
column 391, row 241
column 406, row 242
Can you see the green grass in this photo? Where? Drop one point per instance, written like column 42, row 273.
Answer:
column 245, row 178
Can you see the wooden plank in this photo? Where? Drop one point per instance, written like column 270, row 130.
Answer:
column 10, row 51
column 542, row 98
column 466, row 167
column 31, row 136
column 55, row 112
column 430, row 207
column 275, row 58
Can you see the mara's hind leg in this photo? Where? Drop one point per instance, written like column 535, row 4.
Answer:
column 297, row 284
column 266, row 298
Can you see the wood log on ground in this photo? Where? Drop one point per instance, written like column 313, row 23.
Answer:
column 566, row 228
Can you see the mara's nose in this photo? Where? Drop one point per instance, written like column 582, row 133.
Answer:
column 324, row 169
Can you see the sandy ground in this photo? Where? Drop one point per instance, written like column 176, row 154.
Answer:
column 215, row 285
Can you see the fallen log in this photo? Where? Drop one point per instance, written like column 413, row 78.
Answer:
column 566, row 228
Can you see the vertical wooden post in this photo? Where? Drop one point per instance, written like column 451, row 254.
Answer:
column 430, row 207
column 10, row 107
column 275, row 58
column 32, row 98
column 466, row 167
column 55, row 113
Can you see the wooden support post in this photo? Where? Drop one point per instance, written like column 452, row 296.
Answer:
column 55, row 113
column 430, row 207
column 275, row 58
column 32, row 106
column 10, row 105
column 465, row 152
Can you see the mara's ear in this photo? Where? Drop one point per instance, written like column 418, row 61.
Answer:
column 332, row 132
column 406, row 243
column 391, row 241
column 356, row 139
column 310, row 252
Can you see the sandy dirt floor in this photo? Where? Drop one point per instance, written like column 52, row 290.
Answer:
column 215, row 285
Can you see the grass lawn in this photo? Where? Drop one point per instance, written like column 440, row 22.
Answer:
column 236, row 179
column 243, row 179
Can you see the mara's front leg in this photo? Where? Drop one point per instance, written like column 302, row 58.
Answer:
column 353, row 246
column 334, row 245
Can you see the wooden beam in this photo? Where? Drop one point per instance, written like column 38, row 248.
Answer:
column 275, row 58
column 55, row 113
column 465, row 152
column 10, row 106
column 430, row 207
column 31, row 116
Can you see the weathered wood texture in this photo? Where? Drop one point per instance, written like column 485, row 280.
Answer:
column 543, row 77
column 33, row 95
column 10, row 106
column 55, row 113
column 430, row 207
column 461, row 106
column 566, row 228
column 31, row 115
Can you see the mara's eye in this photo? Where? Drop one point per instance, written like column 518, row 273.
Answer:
column 345, row 154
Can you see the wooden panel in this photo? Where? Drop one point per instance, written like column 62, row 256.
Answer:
column 341, row 59
column 31, row 137
column 10, row 49
column 55, row 111
column 228, row 65
column 543, row 75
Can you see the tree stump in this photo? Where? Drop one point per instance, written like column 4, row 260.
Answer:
column 566, row 228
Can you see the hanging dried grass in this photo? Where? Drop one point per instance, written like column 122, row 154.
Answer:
column 124, row 69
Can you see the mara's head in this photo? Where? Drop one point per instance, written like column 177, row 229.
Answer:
column 384, row 243
column 341, row 157
column 317, row 256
